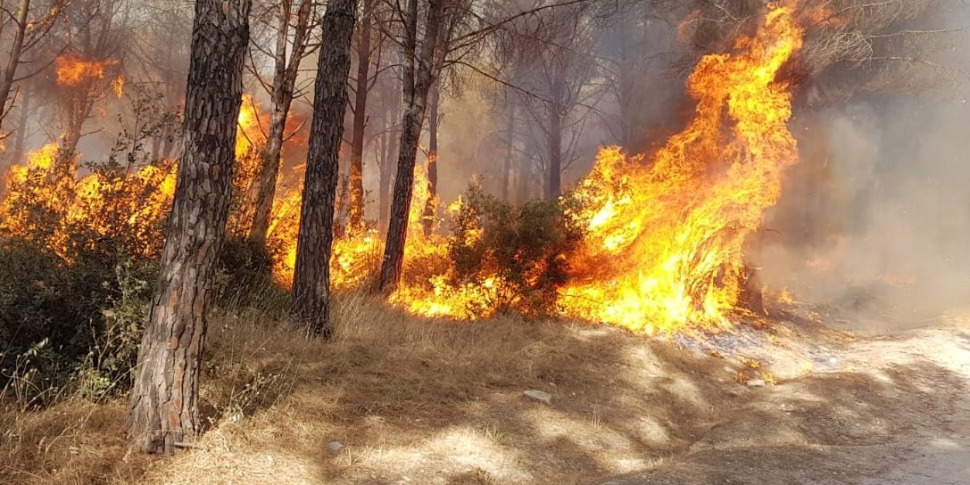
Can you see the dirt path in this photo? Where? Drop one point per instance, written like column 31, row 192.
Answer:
column 891, row 408
column 937, row 456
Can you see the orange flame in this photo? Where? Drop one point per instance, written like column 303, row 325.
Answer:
column 73, row 70
column 664, row 241
column 46, row 201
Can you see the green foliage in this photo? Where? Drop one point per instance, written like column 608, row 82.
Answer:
column 244, row 277
column 108, row 367
column 60, row 320
column 522, row 249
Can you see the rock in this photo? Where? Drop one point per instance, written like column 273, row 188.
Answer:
column 334, row 447
column 755, row 383
column 543, row 397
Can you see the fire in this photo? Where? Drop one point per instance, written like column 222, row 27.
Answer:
column 664, row 238
column 252, row 123
column 47, row 203
column 665, row 242
column 118, row 86
column 354, row 258
column 73, row 70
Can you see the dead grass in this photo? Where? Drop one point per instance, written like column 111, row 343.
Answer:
column 437, row 402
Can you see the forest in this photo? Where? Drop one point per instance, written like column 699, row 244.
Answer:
column 484, row 241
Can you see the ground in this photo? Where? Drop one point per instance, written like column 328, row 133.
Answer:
column 418, row 402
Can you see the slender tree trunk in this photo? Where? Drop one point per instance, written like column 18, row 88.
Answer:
column 17, row 154
column 554, row 183
column 163, row 412
column 510, row 144
column 72, row 131
column 416, row 87
column 356, row 216
column 427, row 217
column 284, row 82
column 311, row 280
column 9, row 72
column 384, row 191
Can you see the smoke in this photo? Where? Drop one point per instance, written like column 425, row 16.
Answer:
column 877, row 216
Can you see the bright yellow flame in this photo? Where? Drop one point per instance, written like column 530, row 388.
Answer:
column 664, row 241
column 45, row 200
column 664, row 246
column 251, row 120
column 118, row 86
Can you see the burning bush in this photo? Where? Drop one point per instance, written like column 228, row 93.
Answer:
column 73, row 249
column 520, row 252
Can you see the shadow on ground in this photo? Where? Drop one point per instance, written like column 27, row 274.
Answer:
column 423, row 402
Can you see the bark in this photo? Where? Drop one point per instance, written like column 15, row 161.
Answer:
column 510, row 143
column 554, row 182
column 17, row 155
column 311, row 281
column 78, row 112
column 16, row 49
column 356, row 216
column 389, row 148
column 417, row 83
column 384, row 191
column 427, row 217
column 284, row 82
column 163, row 413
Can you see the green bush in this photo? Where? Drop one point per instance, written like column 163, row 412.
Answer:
column 522, row 249
column 244, row 277
column 58, row 319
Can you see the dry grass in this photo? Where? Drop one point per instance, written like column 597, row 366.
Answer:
column 433, row 401
column 436, row 402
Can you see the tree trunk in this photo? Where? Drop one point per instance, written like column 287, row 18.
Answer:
column 6, row 82
column 554, row 183
column 427, row 217
column 284, row 82
column 355, row 221
column 417, row 83
column 510, row 144
column 163, row 412
column 311, row 280
column 17, row 154
column 384, row 191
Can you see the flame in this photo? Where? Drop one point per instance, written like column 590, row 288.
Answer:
column 73, row 70
column 354, row 258
column 664, row 238
column 46, row 202
column 118, row 86
column 252, row 121
column 665, row 242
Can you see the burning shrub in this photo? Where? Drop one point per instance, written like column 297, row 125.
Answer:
column 518, row 252
column 73, row 250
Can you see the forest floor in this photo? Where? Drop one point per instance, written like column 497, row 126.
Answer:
column 417, row 402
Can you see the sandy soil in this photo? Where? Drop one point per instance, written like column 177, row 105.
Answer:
column 887, row 407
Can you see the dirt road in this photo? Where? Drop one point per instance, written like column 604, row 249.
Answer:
column 887, row 408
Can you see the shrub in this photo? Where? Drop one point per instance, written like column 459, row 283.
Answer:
column 522, row 249
column 59, row 318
